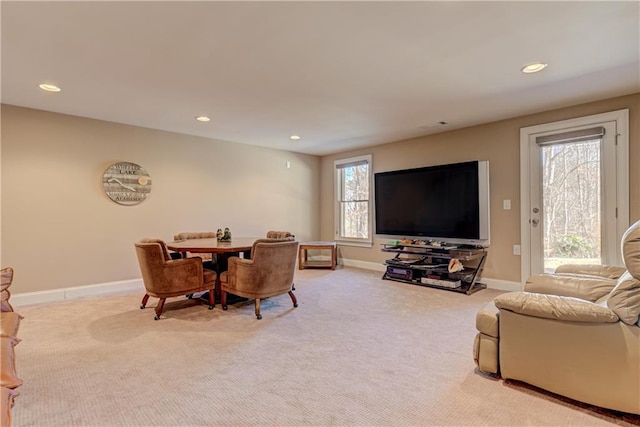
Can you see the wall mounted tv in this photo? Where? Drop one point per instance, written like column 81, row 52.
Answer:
column 447, row 203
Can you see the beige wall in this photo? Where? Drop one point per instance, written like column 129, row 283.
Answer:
column 497, row 142
column 60, row 230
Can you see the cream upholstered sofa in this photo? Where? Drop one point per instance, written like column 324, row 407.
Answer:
column 575, row 332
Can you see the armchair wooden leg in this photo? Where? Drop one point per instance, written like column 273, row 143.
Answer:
column 257, row 304
column 143, row 304
column 293, row 298
column 159, row 308
column 223, row 299
column 212, row 299
column 293, row 286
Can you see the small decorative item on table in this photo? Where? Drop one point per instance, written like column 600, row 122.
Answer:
column 226, row 235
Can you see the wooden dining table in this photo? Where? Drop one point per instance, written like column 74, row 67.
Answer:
column 220, row 252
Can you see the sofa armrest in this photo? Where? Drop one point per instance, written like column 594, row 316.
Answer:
column 555, row 307
column 588, row 288
column 604, row 271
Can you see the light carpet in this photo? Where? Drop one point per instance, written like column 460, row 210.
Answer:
column 358, row 351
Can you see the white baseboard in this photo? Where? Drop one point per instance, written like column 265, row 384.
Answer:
column 502, row 285
column 56, row 295
column 375, row 266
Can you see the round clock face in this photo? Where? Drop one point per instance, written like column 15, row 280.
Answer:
column 126, row 183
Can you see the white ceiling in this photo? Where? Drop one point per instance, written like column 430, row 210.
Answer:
column 341, row 75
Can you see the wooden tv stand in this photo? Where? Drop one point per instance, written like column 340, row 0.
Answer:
column 427, row 265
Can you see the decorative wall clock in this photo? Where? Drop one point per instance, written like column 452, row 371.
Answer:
column 126, row 183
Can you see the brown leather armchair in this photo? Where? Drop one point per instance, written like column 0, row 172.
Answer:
column 575, row 332
column 268, row 273
column 164, row 277
column 282, row 235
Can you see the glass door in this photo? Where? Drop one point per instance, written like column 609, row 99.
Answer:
column 572, row 201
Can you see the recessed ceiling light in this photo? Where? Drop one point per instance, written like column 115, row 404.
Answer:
column 49, row 87
column 202, row 118
column 294, row 137
column 534, row 68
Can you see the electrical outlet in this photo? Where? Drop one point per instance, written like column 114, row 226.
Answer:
column 516, row 249
column 506, row 204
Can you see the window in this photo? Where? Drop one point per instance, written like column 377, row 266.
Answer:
column 353, row 202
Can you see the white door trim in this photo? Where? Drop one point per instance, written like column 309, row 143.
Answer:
column 621, row 117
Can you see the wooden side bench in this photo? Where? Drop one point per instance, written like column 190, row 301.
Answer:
column 303, row 256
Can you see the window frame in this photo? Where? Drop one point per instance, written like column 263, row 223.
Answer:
column 338, row 167
column 619, row 217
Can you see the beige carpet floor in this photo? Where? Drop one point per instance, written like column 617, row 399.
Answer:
column 358, row 351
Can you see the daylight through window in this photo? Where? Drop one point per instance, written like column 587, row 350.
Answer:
column 353, row 204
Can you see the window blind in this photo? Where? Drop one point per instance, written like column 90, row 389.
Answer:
column 572, row 136
column 352, row 164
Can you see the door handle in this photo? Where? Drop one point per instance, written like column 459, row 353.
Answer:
column 535, row 222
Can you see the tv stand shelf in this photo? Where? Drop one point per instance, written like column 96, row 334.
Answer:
column 427, row 265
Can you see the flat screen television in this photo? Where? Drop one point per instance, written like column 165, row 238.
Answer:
column 448, row 203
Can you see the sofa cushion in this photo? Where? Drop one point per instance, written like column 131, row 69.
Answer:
column 624, row 299
column 631, row 249
column 8, row 375
column 9, row 324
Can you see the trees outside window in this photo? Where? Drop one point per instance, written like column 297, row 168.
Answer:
column 353, row 202
column 572, row 202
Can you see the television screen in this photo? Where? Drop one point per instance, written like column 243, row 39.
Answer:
column 446, row 202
